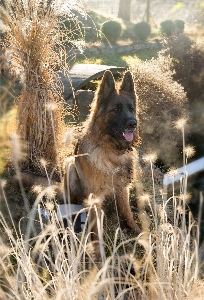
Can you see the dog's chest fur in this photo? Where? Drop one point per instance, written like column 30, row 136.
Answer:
column 103, row 166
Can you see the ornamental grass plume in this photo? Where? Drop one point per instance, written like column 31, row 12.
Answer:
column 33, row 48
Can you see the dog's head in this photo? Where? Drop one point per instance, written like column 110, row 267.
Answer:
column 115, row 111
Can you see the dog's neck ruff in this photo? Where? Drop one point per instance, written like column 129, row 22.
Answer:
column 112, row 162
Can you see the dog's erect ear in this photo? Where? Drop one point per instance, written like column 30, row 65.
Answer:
column 127, row 85
column 107, row 86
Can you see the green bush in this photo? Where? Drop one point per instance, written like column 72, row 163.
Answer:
column 179, row 25
column 111, row 30
column 142, row 30
column 167, row 27
column 74, row 29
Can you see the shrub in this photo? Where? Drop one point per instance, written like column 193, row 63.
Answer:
column 74, row 29
column 188, row 65
column 162, row 102
column 179, row 25
column 167, row 27
column 188, row 62
column 142, row 30
column 111, row 30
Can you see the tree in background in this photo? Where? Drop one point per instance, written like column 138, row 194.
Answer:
column 124, row 9
column 148, row 11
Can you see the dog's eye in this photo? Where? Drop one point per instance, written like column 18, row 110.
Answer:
column 118, row 107
column 131, row 109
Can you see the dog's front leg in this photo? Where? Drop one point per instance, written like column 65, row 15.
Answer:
column 123, row 205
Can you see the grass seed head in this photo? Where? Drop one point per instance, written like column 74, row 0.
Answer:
column 18, row 148
column 51, row 106
column 43, row 162
column 172, row 172
column 50, row 192
column 69, row 136
column 189, row 151
column 150, row 157
column 37, row 189
column 144, row 198
column 49, row 205
column 92, row 200
column 3, row 183
column 180, row 124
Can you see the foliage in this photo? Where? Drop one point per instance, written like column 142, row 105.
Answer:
column 188, row 65
column 111, row 30
column 188, row 61
column 167, row 27
column 179, row 25
column 162, row 102
column 142, row 30
column 74, row 29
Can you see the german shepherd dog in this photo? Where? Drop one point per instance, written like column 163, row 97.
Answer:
column 105, row 159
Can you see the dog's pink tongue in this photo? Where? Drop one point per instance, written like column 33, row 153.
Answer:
column 128, row 136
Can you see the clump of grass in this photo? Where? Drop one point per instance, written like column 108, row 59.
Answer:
column 33, row 48
column 45, row 260
column 162, row 101
column 57, row 263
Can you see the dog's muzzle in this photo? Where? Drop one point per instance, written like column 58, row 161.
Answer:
column 131, row 125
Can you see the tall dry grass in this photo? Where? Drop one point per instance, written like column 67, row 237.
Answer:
column 44, row 260
column 33, row 50
column 41, row 259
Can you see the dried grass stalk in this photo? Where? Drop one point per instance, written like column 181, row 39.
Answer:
column 31, row 45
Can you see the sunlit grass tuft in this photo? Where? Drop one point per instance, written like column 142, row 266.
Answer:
column 33, row 51
column 44, row 260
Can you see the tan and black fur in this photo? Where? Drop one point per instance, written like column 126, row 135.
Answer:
column 105, row 162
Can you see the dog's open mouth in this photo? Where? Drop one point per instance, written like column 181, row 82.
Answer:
column 128, row 135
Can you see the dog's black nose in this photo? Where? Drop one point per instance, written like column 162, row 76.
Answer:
column 131, row 124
